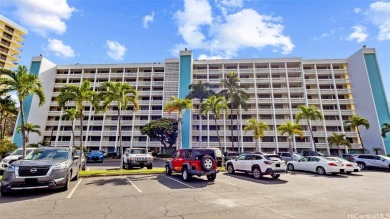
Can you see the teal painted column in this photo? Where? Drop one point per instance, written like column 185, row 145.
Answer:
column 35, row 66
column 184, row 81
column 378, row 91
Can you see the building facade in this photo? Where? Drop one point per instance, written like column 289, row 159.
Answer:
column 340, row 88
column 11, row 43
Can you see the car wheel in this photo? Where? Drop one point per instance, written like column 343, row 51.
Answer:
column 75, row 178
column 185, row 175
column 211, row 177
column 125, row 166
column 68, row 177
column 168, row 170
column 83, row 168
column 362, row 166
column 321, row 170
column 207, row 163
column 4, row 193
column 275, row 176
column 290, row 167
column 230, row 168
column 257, row 173
column 149, row 166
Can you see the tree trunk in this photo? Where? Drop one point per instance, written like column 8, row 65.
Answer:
column 231, row 121
column 238, row 132
column 23, row 128
column 200, row 125
column 219, row 140
column 257, row 145
column 340, row 154
column 312, row 136
column 81, row 130
column 179, row 132
column 120, row 135
column 73, row 135
column 364, row 150
column 290, row 147
column 4, row 129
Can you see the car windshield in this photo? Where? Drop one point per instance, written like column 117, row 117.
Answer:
column 138, row 151
column 48, row 154
column 96, row 153
column 20, row 152
column 272, row 157
column 381, row 156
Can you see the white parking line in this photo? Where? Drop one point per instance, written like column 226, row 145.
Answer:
column 225, row 182
column 139, row 190
column 179, row 181
column 74, row 189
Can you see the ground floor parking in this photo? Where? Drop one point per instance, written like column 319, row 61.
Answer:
column 294, row 195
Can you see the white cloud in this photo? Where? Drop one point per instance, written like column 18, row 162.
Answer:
column 379, row 14
column 357, row 10
column 115, row 50
column 43, row 17
column 244, row 29
column 227, row 6
column 148, row 19
column 60, row 49
column 359, row 34
column 204, row 56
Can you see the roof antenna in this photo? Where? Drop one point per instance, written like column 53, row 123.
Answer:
column 364, row 46
column 185, row 49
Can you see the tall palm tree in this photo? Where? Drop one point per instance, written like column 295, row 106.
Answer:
column 200, row 91
column 240, row 101
column 385, row 129
column 179, row 105
column 308, row 113
column 258, row 128
column 79, row 94
column 24, row 85
column 30, row 128
column 355, row 122
column 71, row 114
column 123, row 94
column 8, row 110
column 232, row 86
column 291, row 129
column 216, row 106
column 338, row 139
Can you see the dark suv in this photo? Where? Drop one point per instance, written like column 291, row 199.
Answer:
column 191, row 162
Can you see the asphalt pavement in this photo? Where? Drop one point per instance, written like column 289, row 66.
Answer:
column 115, row 163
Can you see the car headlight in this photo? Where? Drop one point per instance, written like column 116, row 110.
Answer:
column 60, row 166
column 10, row 169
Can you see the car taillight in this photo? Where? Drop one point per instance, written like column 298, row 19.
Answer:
column 333, row 164
column 268, row 162
column 349, row 165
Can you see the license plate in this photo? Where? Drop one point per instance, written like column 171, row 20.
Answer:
column 277, row 165
column 30, row 181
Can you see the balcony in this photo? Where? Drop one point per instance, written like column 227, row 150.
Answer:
column 243, row 71
column 279, row 80
column 311, row 81
column 263, row 80
column 89, row 75
column 312, row 91
column 281, row 100
column 61, row 76
column 325, row 81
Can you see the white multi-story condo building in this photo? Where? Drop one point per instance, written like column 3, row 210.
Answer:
column 340, row 88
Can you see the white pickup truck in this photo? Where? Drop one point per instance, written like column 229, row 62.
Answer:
column 137, row 157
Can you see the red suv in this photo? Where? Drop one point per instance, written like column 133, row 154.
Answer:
column 191, row 162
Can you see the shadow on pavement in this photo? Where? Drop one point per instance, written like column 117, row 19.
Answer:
column 28, row 195
column 117, row 181
column 307, row 173
column 176, row 182
column 267, row 180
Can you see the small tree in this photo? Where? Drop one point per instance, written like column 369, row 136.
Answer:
column 258, row 128
column 308, row 113
column 377, row 149
column 30, row 128
column 355, row 122
column 385, row 129
column 291, row 129
column 8, row 113
column 338, row 139
column 164, row 129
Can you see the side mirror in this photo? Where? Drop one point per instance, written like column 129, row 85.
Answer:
column 75, row 157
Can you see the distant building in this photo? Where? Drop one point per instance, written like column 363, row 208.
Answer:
column 340, row 88
column 11, row 42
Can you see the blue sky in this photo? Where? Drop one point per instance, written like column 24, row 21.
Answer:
column 128, row 31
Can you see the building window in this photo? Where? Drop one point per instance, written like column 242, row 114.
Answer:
column 112, row 138
column 142, row 138
column 248, row 139
column 94, row 138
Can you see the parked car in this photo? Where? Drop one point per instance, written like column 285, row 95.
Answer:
column 104, row 153
column 14, row 156
column 43, row 168
column 112, row 155
column 286, row 156
column 349, row 166
column 257, row 164
column 230, row 155
column 307, row 153
column 372, row 161
column 83, row 161
column 318, row 164
column 95, row 156
column 137, row 157
column 191, row 162
column 349, row 157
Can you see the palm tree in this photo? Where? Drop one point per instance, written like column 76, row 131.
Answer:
column 355, row 122
column 385, row 129
column 78, row 94
column 338, row 139
column 29, row 128
column 309, row 113
column 71, row 114
column 179, row 105
column 291, row 129
column 239, row 101
column 123, row 94
column 8, row 110
column 232, row 86
column 24, row 85
column 216, row 106
column 200, row 91
column 377, row 149
column 258, row 128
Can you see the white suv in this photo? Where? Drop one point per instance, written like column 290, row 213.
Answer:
column 137, row 157
column 257, row 164
column 375, row 161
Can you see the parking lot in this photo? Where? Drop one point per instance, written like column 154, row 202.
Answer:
column 294, row 195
